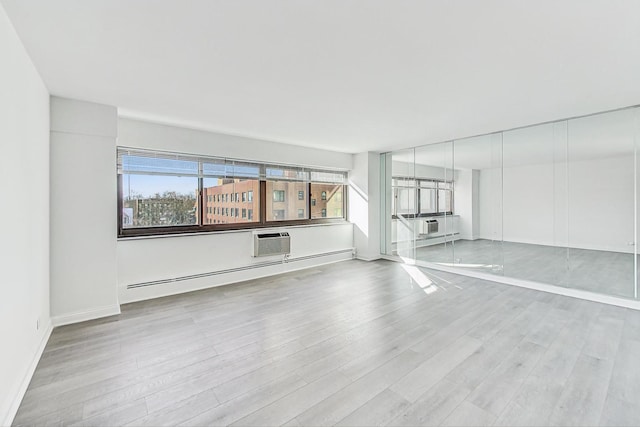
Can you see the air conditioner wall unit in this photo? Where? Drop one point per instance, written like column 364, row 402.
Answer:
column 268, row 244
column 431, row 226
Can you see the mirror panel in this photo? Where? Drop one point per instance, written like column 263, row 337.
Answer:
column 403, row 203
column 436, row 225
column 477, row 209
column 534, row 188
column 601, row 203
column 554, row 203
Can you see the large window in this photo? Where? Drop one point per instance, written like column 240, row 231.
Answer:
column 165, row 193
column 329, row 204
column 285, row 204
column 421, row 197
column 230, row 209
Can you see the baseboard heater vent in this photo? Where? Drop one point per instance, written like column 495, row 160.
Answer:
column 236, row 269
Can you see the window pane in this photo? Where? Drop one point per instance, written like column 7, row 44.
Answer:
column 135, row 164
column 329, row 177
column 403, row 182
column 156, row 200
column 284, row 172
column 278, row 195
column 228, row 169
column 328, row 200
column 427, row 200
column 444, row 201
column 228, row 209
column 283, row 202
column 428, row 184
column 405, row 201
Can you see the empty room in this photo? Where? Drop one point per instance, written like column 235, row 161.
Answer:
column 320, row 212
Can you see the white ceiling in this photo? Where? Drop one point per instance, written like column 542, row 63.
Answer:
column 345, row 75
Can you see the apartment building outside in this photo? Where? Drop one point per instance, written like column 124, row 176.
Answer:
column 237, row 201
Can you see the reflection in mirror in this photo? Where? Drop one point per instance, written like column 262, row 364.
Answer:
column 534, row 199
column 601, row 194
column 476, row 221
column 554, row 203
column 436, row 224
column 403, row 204
column 636, row 133
column 386, row 167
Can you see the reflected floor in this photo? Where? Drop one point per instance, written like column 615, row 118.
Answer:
column 603, row 272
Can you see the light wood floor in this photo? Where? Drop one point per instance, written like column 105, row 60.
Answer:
column 603, row 272
column 351, row 343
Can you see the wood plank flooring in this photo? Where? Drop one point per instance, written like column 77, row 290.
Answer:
column 603, row 272
column 352, row 343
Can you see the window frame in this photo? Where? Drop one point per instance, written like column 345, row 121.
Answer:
column 203, row 227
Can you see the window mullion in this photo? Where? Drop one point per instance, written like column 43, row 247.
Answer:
column 263, row 202
column 309, row 201
column 200, row 203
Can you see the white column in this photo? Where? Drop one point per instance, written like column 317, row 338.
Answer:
column 83, row 211
column 364, row 204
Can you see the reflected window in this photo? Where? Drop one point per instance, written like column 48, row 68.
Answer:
column 421, row 197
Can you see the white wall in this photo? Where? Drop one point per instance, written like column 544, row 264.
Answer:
column 601, row 204
column 364, row 204
column 529, row 216
column 466, row 197
column 140, row 134
column 490, row 204
column 24, row 246
column 589, row 204
column 83, row 210
column 160, row 258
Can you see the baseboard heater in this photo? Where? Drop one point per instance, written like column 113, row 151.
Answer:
column 426, row 237
column 236, row 269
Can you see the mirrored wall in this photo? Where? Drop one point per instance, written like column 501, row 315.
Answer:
column 555, row 203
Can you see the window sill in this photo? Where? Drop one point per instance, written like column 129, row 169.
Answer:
column 245, row 230
column 439, row 215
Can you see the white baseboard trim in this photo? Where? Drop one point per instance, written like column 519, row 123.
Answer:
column 82, row 316
column 15, row 404
column 368, row 258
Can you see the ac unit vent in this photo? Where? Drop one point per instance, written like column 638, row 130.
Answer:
column 267, row 244
column 431, row 226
